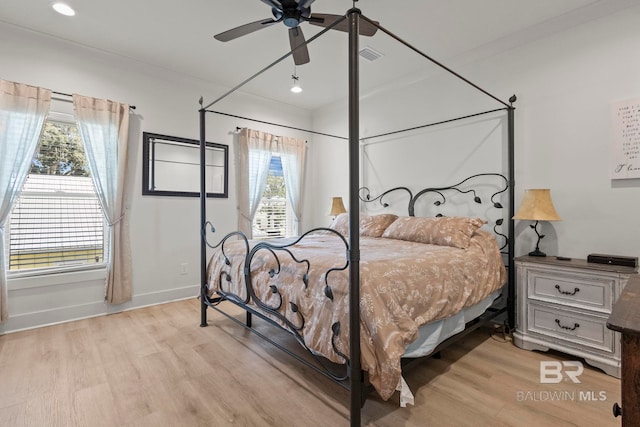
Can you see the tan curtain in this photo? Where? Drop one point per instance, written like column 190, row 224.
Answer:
column 292, row 154
column 254, row 155
column 104, row 128
column 23, row 110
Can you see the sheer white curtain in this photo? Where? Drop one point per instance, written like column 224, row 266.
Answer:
column 254, row 155
column 104, row 128
column 23, row 110
column 292, row 154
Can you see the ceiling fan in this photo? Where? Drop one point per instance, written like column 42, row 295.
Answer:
column 292, row 13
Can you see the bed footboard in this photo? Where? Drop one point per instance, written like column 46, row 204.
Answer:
column 237, row 274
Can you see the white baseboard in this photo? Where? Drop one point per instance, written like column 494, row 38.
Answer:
column 38, row 319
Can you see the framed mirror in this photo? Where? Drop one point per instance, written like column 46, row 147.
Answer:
column 171, row 167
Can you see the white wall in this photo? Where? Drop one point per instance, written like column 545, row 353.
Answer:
column 564, row 83
column 565, row 86
column 164, row 230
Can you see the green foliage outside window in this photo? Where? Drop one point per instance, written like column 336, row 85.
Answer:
column 60, row 151
column 275, row 188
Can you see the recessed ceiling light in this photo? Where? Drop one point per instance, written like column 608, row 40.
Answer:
column 63, row 9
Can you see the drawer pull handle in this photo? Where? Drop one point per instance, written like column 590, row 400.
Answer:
column 575, row 291
column 617, row 410
column 568, row 328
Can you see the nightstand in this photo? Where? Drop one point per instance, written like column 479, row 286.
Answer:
column 564, row 305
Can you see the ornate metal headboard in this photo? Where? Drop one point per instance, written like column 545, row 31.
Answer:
column 482, row 190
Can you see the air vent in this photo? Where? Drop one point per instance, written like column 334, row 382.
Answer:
column 370, row 54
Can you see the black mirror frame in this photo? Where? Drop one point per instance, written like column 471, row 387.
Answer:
column 148, row 191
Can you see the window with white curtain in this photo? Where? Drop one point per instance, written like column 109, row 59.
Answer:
column 57, row 222
column 274, row 217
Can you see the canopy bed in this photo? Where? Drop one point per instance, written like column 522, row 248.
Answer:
column 398, row 287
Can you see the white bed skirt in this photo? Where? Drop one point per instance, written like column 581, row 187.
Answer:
column 432, row 334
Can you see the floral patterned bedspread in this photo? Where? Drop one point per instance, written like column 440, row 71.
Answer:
column 403, row 285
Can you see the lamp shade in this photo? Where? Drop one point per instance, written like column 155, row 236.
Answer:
column 537, row 206
column 337, row 207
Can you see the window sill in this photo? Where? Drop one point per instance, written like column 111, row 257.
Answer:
column 37, row 279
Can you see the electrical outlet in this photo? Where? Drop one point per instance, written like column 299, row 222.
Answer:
column 183, row 268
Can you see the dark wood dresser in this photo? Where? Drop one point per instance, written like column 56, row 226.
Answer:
column 625, row 318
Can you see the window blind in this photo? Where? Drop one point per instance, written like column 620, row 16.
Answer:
column 57, row 221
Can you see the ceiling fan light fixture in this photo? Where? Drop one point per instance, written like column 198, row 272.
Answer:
column 63, row 9
column 291, row 22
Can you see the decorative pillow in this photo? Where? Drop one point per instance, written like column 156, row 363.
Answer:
column 375, row 225
column 341, row 224
column 371, row 226
column 443, row 231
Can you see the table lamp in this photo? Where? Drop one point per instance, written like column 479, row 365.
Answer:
column 337, row 207
column 537, row 206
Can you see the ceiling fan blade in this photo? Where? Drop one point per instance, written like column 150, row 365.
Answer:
column 245, row 29
column 326, row 19
column 273, row 3
column 296, row 38
column 304, row 3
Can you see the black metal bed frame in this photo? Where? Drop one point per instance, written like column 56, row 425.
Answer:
column 441, row 199
column 353, row 378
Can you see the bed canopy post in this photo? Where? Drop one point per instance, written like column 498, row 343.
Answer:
column 511, row 304
column 354, row 219
column 203, row 218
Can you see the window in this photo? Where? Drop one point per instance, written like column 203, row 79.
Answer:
column 57, row 221
column 273, row 217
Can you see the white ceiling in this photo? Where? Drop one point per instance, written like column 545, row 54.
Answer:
column 178, row 36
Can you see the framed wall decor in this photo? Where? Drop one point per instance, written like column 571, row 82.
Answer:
column 626, row 139
column 171, row 167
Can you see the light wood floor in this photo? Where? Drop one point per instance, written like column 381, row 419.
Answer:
column 156, row 367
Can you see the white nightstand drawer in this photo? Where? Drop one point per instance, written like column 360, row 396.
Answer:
column 578, row 328
column 578, row 290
